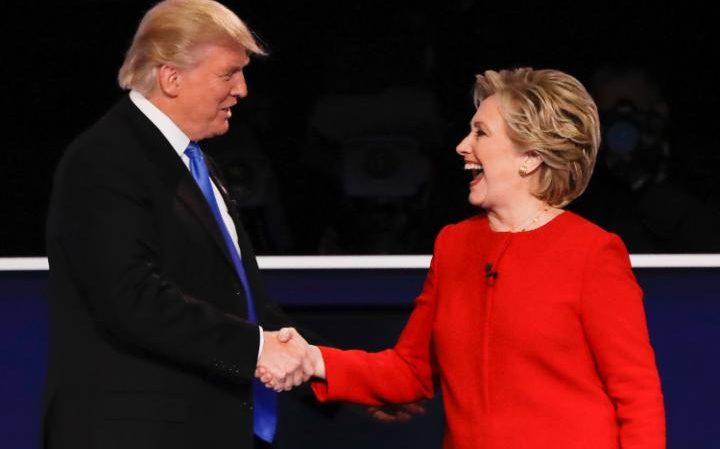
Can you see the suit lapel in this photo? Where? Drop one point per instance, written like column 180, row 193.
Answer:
column 190, row 194
column 174, row 173
column 177, row 177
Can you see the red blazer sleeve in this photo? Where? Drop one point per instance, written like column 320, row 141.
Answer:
column 398, row 375
column 614, row 322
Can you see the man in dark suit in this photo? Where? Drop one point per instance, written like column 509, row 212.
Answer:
column 158, row 316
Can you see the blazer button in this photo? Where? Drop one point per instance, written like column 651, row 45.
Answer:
column 238, row 292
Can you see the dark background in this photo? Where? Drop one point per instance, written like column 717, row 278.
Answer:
column 345, row 144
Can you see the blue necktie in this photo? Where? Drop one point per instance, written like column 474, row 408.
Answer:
column 265, row 400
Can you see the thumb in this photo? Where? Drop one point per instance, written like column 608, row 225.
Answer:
column 285, row 334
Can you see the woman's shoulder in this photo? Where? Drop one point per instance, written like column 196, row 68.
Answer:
column 463, row 235
column 583, row 230
column 575, row 220
column 580, row 226
column 469, row 226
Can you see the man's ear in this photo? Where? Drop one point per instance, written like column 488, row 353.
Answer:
column 168, row 79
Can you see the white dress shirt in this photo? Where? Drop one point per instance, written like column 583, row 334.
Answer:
column 179, row 141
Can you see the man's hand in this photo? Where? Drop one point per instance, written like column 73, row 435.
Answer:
column 311, row 365
column 285, row 359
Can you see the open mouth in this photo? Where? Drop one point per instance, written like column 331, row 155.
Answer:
column 475, row 169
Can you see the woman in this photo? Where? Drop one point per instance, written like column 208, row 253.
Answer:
column 530, row 319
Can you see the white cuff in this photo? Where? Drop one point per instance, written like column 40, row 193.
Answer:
column 262, row 342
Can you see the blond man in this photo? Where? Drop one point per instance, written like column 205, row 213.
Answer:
column 158, row 316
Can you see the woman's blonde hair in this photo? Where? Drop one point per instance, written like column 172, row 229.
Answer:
column 172, row 30
column 551, row 113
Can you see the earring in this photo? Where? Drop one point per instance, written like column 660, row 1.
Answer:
column 523, row 170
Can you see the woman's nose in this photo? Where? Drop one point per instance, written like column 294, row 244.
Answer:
column 463, row 147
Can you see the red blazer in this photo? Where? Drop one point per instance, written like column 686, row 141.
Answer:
column 537, row 340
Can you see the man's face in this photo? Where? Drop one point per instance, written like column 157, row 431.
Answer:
column 209, row 89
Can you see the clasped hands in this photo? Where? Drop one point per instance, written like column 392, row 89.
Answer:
column 287, row 360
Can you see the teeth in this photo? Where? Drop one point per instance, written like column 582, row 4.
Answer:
column 473, row 166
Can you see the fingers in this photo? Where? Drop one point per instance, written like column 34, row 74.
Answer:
column 263, row 376
column 297, row 379
column 291, row 380
column 396, row 413
column 414, row 408
column 285, row 361
column 386, row 417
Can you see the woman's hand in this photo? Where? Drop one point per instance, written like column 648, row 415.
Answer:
column 313, row 365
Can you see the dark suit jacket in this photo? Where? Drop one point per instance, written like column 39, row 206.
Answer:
column 149, row 343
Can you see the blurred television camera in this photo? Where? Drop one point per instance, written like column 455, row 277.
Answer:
column 635, row 146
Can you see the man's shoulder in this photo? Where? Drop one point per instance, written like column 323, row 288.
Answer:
column 112, row 127
column 120, row 132
column 113, row 140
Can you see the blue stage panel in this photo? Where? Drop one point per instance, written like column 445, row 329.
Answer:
column 367, row 308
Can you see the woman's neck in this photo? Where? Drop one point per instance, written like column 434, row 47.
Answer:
column 521, row 215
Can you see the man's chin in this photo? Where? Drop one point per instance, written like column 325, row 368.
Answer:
column 217, row 131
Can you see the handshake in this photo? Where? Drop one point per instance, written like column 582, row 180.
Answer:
column 287, row 360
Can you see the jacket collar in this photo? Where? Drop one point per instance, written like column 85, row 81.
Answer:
column 172, row 171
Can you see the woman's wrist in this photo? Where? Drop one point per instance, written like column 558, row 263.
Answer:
column 318, row 362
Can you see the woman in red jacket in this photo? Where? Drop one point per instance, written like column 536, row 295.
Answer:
column 530, row 320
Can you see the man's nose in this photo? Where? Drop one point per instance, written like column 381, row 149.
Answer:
column 239, row 89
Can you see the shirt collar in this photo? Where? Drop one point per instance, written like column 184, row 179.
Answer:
column 177, row 139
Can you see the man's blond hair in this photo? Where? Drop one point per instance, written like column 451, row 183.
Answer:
column 172, row 31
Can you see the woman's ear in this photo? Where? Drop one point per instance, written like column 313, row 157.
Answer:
column 530, row 161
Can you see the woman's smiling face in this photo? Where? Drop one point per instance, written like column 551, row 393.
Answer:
column 493, row 159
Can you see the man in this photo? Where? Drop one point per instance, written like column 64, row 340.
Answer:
column 156, row 300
